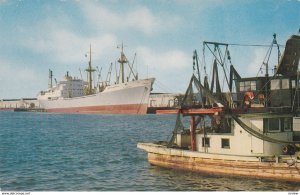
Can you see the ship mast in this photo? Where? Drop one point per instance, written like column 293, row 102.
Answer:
column 122, row 60
column 90, row 70
column 50, row 85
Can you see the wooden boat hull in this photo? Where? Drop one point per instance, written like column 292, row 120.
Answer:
column 212, row 164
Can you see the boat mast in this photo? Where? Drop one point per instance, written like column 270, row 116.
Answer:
column 90, row 70
column 122, row 61
column 268, row 55
column 50, row 79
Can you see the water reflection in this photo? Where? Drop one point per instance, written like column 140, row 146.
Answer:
column 187, row 181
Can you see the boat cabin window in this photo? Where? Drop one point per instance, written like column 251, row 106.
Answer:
column 205, row 142
column 225, row 143
column 275, row 84
column 248, row 85
column 272, row 125
column 287, row 124
column 285, row 84
column 280, row 84
column 293, row 84
column 277, row 124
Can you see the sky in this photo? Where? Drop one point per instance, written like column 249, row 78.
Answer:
column 38, row 35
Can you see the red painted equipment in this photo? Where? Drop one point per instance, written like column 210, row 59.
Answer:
column 192, row 111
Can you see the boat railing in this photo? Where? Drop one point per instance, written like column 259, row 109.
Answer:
column 289, row 159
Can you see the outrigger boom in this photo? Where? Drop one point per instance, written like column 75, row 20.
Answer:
column 253, row 130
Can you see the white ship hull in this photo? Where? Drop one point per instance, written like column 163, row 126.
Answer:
column 125, row 98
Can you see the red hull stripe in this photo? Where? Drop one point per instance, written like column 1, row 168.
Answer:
column 6, row 109
column 112, row 109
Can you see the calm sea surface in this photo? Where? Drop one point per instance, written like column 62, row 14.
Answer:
column 58, row 152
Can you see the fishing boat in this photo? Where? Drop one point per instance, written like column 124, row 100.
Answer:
column 250, row 130
column 73, row 95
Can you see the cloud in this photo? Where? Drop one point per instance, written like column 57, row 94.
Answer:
column 253, row 68
column 138, row 18
column 170, row 68
column 57, row 40
column 173, row 59
column 18, row 81
column 65, row 46
column 143, row 20
column 3, row 1
column 202, row 5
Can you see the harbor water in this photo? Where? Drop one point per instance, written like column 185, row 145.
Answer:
column 73, row 152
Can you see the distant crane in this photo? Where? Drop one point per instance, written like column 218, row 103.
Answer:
column 99, row 73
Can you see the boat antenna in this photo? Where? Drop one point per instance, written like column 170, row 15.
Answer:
column 90, row 70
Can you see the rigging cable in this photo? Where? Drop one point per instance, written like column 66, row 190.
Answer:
column 249, row 45
column 268, row 54
column 162, row 86
column 259, row 135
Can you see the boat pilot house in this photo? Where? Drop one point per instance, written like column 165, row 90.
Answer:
column 242, row 126
column 253, row 91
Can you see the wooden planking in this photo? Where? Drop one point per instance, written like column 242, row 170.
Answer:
column 233, row 168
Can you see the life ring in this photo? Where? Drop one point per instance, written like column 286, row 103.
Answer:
column 248, row 97
column 289, row 149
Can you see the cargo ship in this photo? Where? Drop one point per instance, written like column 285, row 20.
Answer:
column 73, row 95
column 252, row 129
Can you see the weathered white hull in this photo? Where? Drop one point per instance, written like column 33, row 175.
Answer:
column 220, row 164
column 126, row 98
